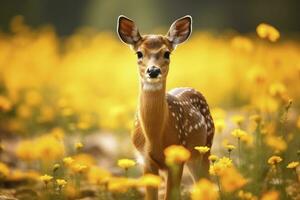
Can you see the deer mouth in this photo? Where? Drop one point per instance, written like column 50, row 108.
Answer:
column 153, row 80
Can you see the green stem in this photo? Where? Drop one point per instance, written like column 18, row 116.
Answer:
column 239, row 156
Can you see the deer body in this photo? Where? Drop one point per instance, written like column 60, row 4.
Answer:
column 180, row 117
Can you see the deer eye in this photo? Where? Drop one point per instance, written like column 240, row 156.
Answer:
column 167, row 55
column 139, row 54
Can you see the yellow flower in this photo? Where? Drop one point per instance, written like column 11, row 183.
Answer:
column 274, row 160
column 61, row 183
column 5, row 104
column 126, row 163
column 230, row 147
column 150, row 180
column 292, row 165
column 56, row 167
column 277, row 89
column 68, row 161
column 176, row 154
column 232, row 180
column 238, row 133
column 298, row 122
column 78, row 146
column 204, row 190
column 97, row 175
column 271, row 195
column 276, row 143
column 213, row 158
column 238, row 119
column 256, row 118
column 4, row 170
column 242, row 43
column 79, row 168
column 33, row 98
column 267, row 31
column 120, row 184
column 219, row 125
column 246, row 195
column 202, row 149
column 46, row 178
column 218, row 167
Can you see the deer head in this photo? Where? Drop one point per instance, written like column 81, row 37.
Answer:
column 153, row 51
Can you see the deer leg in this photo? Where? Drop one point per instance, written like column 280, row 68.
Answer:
column 174, row 175
column 199, row 167
column 151, row 168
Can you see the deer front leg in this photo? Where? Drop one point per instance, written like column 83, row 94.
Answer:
column 174, row 175
column 150, row 168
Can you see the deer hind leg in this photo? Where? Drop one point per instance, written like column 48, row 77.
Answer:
column 199, row 166
column 174, row 176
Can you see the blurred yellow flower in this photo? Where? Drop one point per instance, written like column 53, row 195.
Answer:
column 274, row 160
column 218, row 167
column 84, row 159
column 276, row 143
column 292, row 165
column 213, row 158
column 229, row 147
column 204, row 190
column 55, row 167
column 4, row 170
column 271, row 195
column 256, row 118
column 298, row 122
column 150, row 180
column 24, row 111
column 97, row 175
column 120, row 184
column 79, row 168
column 246, row 195
column 219, row 125
column 61, row 183
column 202, row 149
column 238, row 133
column 242, row 43
column 238, row 119
column 33, row 98
column 78, row 146
column 176, row 154
column 5, row 104
column 68, row 161
column 126, row 163
column 267, row 31
column 277, row 89
column 46, row 178
column 232, row 180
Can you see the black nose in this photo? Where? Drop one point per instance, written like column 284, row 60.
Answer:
column 153, row 71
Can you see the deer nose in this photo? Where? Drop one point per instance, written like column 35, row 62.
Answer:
column 153, row 71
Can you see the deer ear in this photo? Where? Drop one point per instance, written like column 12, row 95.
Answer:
column 180, row 30
column 128, row 31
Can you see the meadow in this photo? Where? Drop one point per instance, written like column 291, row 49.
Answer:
column 67, row 107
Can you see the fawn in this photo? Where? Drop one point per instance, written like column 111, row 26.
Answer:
column 180, row 117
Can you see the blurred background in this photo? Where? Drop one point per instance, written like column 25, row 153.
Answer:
column 69, row 87
column 67, row 16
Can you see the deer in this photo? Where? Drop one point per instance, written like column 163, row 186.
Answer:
column 178, row 117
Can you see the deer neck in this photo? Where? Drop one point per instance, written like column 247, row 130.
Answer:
column 153, row 112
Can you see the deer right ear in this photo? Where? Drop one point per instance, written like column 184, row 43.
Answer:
column 128, row 31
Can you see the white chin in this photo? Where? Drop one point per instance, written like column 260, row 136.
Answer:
column 151, row 84
column 153, row 80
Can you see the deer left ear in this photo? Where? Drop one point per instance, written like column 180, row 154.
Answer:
column 180, row 30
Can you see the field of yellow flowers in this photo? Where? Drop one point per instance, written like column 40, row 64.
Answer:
column 67, row 104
